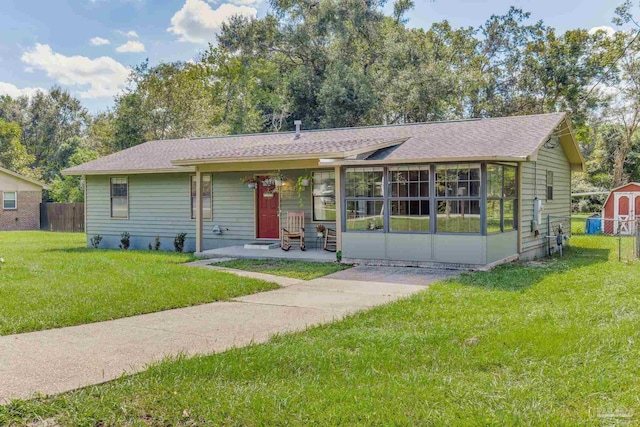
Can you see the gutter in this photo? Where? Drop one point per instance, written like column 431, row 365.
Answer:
column 70, row 172
column 517, row 159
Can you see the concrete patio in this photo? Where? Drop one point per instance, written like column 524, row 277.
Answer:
column 311, row 254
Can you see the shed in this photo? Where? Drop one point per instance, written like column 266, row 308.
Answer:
column 620, row 209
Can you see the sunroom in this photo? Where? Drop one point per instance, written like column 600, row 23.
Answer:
column 461, row 213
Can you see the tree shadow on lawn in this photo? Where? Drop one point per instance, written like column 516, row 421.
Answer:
column 520, row 275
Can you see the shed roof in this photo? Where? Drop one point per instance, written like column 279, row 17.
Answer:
column 508, row 138
column 621, row 189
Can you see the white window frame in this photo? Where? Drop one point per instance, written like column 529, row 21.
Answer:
column 4, row 200
column 313, row 196
column 111, row 196
column 191, row 197
column 549, row 186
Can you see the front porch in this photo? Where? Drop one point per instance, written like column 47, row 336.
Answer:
column 311, row 255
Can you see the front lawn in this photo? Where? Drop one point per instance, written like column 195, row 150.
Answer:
column 51, row 280
column 552, row 343
column 295, row 269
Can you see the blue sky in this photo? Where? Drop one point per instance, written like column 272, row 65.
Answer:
column 87, row 46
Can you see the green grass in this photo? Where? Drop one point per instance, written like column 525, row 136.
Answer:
column 553, row 343
column 52, row 280
column 295, row 269
column 453, row 224
column 407, row 223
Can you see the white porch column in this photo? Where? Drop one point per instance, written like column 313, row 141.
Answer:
column 198, row 210
column 338, row 192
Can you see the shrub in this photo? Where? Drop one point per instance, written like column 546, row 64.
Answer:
column 339, row 256
column 156, row 244
column 125, row 241
column 95, row 241
column 178, row 242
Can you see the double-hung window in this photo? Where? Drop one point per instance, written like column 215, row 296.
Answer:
column 364, row 199
column 502, row 196
column 549, row 185
column 206, row 188
column 10, row 200
column 409, row 199
column 324, row 196
column 458, row 198
column 119, row 197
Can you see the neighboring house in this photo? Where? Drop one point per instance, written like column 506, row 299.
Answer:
column 21, row 198
column 445, row 192
column 621, row 210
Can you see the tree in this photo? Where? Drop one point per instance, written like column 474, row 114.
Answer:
column 68, row 189
column 346, row 97
column 13, row 155
column 170, row 100
column 47, row 120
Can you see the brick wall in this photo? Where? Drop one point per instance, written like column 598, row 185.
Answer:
column 26, row 217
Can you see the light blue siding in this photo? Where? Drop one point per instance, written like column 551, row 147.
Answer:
column 160, row 205
column 534, row 177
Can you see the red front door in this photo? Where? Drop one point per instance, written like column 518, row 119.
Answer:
column 268, row 206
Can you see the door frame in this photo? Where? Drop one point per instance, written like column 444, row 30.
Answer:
column 256, row 216
column 631, row 215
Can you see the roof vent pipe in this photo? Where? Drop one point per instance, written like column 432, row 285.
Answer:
column 297, row 123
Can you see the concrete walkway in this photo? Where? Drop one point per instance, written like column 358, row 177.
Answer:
column 64, row 359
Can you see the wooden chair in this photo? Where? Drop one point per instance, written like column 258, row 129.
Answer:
column 293, row 233
column 330, row 240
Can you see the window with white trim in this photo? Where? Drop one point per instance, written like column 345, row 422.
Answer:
column 323, row 195
column 207, row 196
column 458, row 198
column 549, row 185
column 409, row 199
column 10, row 200
column 119, row 188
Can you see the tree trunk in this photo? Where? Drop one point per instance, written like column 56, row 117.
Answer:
column 620, row 157
column 618, row 167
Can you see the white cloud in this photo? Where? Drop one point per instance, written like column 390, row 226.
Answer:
column 242, row 2
column 98, row 78
column 14, row 92
column 197, row 22
column 610, row 31
column 131, row 34
column 99, row 41
column 131, row 46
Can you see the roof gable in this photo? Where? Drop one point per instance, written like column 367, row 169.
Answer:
column 635, row 188
column 22, row 177
column 565, row 134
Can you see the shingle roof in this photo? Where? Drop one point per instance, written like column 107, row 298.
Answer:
column 508, row 137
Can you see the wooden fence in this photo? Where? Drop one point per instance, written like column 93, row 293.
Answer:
column 68, row 217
